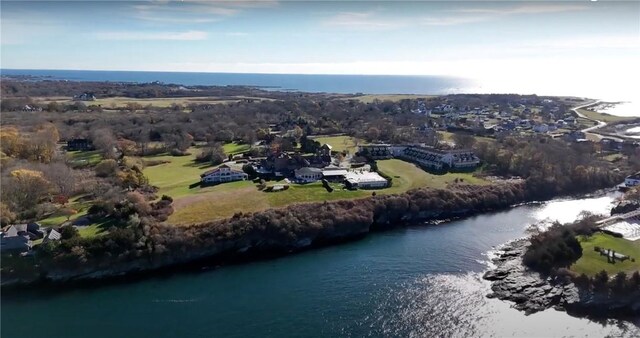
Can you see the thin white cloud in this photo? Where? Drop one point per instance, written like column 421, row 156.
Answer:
column 452, row 20
column 363, row 21
column 194, row 11
column 526, row 9
column 587, row 42
column 474, row 15
column 133, row 35
column 374, row 21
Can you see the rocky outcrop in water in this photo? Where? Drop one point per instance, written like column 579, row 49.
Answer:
column 531, row 292
column 625, row 207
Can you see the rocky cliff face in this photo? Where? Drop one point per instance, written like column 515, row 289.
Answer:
column 531, row 292
column 280, row 231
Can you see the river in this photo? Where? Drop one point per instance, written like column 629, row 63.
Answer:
column 416, row 281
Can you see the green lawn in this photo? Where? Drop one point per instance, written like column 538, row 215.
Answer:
column 407, row 176
column 312, row 192
column 90, row 230
column 591, row 262
column 85, row 158
column 604, row 116
column 388, row 97
column 203, row 204
column 57, row 218
column 340, row 143
column 173, row 178
column 235, row 148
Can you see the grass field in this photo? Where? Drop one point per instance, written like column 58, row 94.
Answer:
column 224, row 200
column 340, row 143
column 57, row 218
column 604, row 116
column 235, row 148
column 174, row 177
column 591, row 262
column 312, row 192
column 198, row 204
column 85, row 158
column 119, row 102
column 389, row 97
column 407, row 176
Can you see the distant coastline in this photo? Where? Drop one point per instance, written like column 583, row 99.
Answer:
column 340, row 84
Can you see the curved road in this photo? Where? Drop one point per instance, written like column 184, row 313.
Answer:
column 600, row 123
column 598, row 126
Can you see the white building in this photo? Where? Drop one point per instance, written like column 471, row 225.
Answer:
column 308, row 174
column 632, row 180
column 223, row 174
column 365, row 180
column 334, row 173
column 438, row 159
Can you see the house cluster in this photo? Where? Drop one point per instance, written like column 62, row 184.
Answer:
column 20, row 237
column 84, row 97
column 302, row 169
column 517, row 116
column 425, row 156
column 31, row 108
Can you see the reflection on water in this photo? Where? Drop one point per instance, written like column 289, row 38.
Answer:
column 629, row 108
column 455, row 306
column 565, row 211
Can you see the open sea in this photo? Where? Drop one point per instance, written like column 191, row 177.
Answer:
column 607, row 89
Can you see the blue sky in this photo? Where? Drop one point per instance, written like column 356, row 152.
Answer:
column 451, row 38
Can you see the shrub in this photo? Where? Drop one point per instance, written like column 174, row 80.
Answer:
column 106, row 168
column 98, row 210
column 68, row 232
column 178, row 152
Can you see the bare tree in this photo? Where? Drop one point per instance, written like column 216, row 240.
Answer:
column 104, row 140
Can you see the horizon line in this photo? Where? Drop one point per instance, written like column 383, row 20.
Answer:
column 223, row 72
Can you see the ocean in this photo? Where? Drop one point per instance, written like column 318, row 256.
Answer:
column 607, row 89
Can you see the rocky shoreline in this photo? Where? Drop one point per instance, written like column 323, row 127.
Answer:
column 532, row 292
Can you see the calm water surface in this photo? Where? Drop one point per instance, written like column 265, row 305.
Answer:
column 419, row 281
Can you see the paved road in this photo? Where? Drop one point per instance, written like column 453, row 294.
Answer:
column 600, row 124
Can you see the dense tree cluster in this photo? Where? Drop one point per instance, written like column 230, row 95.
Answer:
column 558, row 247
column 550, row 167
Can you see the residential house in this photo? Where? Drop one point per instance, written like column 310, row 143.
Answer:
column 610, row 144
column 575, row 136
column 440, row 159
column 308, row 174
column 282, row 164
column 84, row 97
column 31, row 108
column 81, row 144
column 376, row 151
column 52, row 235
column 633, row 180
column 541, row 128
column 325, row 150
column 223, row 174
column 15, row 238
